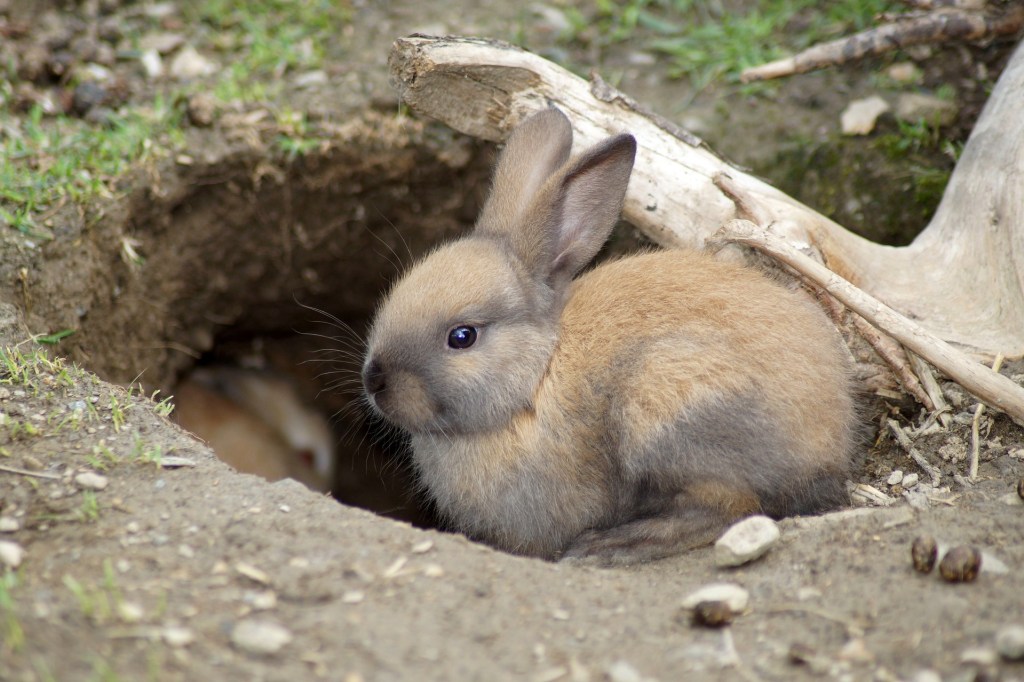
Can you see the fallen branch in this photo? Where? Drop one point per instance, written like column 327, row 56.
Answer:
column 904, row 442
column 961, row 279
column 988, row 386
column 972, row 469
column 26, row 472
column 936, row 26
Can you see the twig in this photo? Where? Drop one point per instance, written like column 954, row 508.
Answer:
column 937, row 26
column 990, row 387
column 896, row 358
column 972, row 470
column 904, row 441
column 25, row 472
column 924, row 372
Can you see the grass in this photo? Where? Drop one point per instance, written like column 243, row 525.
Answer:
column 706, row 42
column 13, row 634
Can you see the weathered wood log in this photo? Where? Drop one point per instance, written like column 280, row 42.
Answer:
column 961, row 280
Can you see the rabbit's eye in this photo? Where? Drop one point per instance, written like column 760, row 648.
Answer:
column 461, row 337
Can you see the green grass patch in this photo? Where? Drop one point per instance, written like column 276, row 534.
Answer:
column 705, row 42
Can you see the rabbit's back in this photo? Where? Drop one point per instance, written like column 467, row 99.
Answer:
column 710, row 374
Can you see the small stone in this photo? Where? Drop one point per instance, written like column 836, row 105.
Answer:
column 712, row 614
column 130, row 612
column 152, row 64
column 733, row 595
column 979, row 655
column 560, row 614
column 904, row 72
column 91, row 481
column 11, row 554
column 960, row 565
column 745, row 541
column 923, row 552
column 1010, row 642
column 353, row 597
column 177, row 637
column 910, row 480
column 9, row 524
column 260, row 636
column 859, row 117
column 433, row 570
column 202, row 109
column 926, row 675
column 856, row 651
column 623, row 671
column 252, row 573
column 914, row 107
column 162, row 43
column 189, row 64
column 895, row 478
column 423, row 547
column 261, row 601
column 186, row 552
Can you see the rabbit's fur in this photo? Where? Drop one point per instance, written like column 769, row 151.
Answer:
column 629, row 414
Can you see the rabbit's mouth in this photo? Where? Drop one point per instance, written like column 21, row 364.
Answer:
column 401, row 398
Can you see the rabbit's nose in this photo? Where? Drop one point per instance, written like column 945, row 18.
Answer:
column 373, row 377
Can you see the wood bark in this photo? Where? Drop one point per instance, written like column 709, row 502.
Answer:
column 961, row 280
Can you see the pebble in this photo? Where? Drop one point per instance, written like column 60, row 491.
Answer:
column 8, row 524
column 859, row 116
column 913, row 106
column 260, row 636
column 733, row 595
column 177, row 637
column 1010, row 642
column 979, row 655
column 252, row 573
column 353, row 597
column 910, row 480
column 11, row 554
column 91, row 481
column 623, row 671
column 423, row 547
column 188, row 64
column 152, row 64
column 202, row 109
column 130, row 612
column 746, row 541
column 895, row 478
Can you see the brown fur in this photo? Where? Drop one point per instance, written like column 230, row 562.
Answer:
column 626, row 415
column 255, row 422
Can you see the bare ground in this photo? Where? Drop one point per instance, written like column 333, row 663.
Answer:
column 160, row 574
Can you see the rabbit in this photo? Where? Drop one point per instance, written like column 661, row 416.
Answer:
column 256, row 422
column 626, row 415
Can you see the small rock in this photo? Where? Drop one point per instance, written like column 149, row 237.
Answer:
column 11, row 554
column 353, row 597
column 252, row 573
column 189, row 64
column 91, row 481
column 979, row 655
column 310, row 78
column 9, row 524
column 162, row 43
column 910, row 480
column 1010, row 642
column 746, row 541
column 904, row 72
column 859, row 116
column 201, row 110
column 260, row 636
column 130, row 612
column 261, row 601
column 423, row 547
column 914, row 107
column 895, row 478
column 735, row 596
column 433, row 570
column 623, row 671
column 856, row 651
column 177, row 637
column 152, row 64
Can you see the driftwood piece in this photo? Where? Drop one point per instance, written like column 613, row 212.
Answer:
column 962, row 279
column 935, row 26
column 989, row 386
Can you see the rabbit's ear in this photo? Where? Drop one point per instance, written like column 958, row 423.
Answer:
column 533, row 152
column 588, row 205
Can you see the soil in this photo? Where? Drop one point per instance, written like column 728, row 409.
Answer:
column 161, row 573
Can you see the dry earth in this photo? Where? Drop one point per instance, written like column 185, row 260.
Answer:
column 166, row 572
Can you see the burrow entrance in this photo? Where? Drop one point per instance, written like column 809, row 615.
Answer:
column 276, row 266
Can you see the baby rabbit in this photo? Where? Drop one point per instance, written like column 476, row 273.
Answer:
column 256, row 422
column 627, row 415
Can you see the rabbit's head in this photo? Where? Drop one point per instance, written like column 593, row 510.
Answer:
column 463, row 340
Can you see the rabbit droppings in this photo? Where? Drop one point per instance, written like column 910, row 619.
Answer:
column 627, row 415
